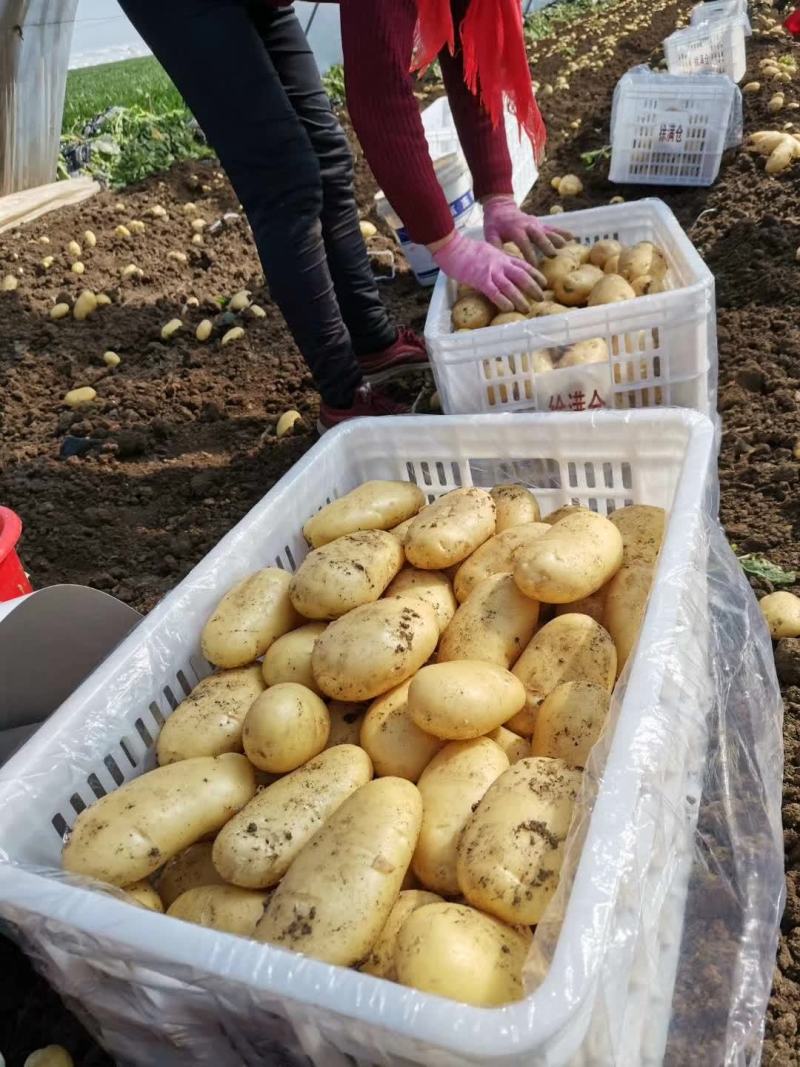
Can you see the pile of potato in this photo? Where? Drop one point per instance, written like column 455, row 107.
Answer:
column 381, row 773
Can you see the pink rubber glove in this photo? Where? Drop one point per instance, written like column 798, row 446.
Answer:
column 503, row 221
column 507, row 281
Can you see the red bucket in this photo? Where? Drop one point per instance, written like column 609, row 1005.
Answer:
column 13, row 580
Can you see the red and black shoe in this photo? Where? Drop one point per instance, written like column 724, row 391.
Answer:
column 367, row 401
column 407, row 353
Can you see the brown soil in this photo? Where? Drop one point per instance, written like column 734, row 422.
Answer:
column 183, row 433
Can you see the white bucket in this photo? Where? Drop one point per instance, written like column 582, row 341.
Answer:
column 456, row 181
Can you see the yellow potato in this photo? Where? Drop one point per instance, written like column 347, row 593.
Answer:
column 392, row 740
column 592, row 351
column 346, row 719
column 646, row 284
column 573, row 559
column 374, row 648
column 128, row 834
column 191, row 868
column 546, row 307
column 572, row 290
column 569, row 722
column 472, row 312
column 593, row 605
column 451, row 787
column 514, row 505
column 556, row 267
column 450, row 529
column 782, row 613
column 642, row 258
column 494, row 623
column 401, row 530
column 249, row 618
column 336, row 897
column 221, row 907
column 514, row 746
column 495, row 556
column 209, row 721
column 610, row 290
column 642, row 528
column 433, row 587
column 289, row 658
column 562, row 512
column 580, row 253
column 144, row 894
column 257, row 846
column 375, row 505
column 380, row 961
column 508, row 316
column 611, row 265
column 286, row 726
column 463, row 699
column 626, row 601
column 602, row 251
column 454, row 951
column 345, row 573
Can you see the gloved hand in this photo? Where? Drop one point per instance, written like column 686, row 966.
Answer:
column 506, row 280
column 503, row 221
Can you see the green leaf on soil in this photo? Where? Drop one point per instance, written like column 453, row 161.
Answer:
column 760, row 567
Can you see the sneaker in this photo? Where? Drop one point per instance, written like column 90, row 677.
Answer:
column 407, row 353
column 366, row 401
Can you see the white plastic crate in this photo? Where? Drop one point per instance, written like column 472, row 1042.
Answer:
column 662, row 348
column 717, row 47
column 721, row 9
column 161, row 991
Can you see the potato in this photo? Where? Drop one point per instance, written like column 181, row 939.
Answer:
column 572, row 290
column 286, row 726
column 209, row 721
column 495, row 556
column 401, row 530
column 568, row 722
column 512, row 848
column 450, row 529
column 494, row 624
column 472, row 312
column 289, row 658
column 782, row 612
column 49, row 1056
column 221, row 907
column 573, row 559
column 514, row 504
column 462, row 289
column 642, row 528
column 626, row 601
column 144, row 895
column 556, row 267
column 375, row 505
column 454, row 951
column 611, row 265
column 451, row 786
column 570, row 648
column 514, row 746
column 579, row 252
column 374, row 648
column 506, row 317
column 191, row 868
column 380, row 961
column 345, row 573
column 432, row 587
column 642, row 258
column 249, row 618
column 570, row 185
column 610, row 290
column 602, row 251
column 546, row 307
column 463, row 699
column 593, row 605
column 583, row 352
column 257, row 846
column 336, row 897
column 646, row 284
column 346, row 719
column 128, row 834
column 562, row 512
column 393, row 741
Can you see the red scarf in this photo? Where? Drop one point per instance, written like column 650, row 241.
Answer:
column 792, row 24
column 495, row 62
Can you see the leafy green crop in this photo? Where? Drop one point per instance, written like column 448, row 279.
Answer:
column 760, row 567
column 333, row 81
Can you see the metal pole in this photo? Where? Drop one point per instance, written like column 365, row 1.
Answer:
column 311, row 18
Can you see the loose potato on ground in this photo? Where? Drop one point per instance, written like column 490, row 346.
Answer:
column 381, row 959
column 472, row 312
column 221, row 907
column 782, row 613
column 374, row 648
column 593, row 351
column 593, row 605
column 210, row 720
column 451, row 786
column 494, row 624
column 626, row 601
column 512, row 848
column 463, row 699
column 345, row 573
column 393, row 741
column 514, row 505
column 611, row 289
column 495, row 556
column 569, row 721
column 572, row 290
column 454, row 951
column 577, row 556
column 375, row 505
column 287, row 726
column 128, row 834
column 602, row 251
column 256, row 847
column 289, row 658
column 346, row 719
column 145, row 895
column 336, row 897
column 450, row 529
column 514, row 746
column 191, row 868
column 643, row 258
column 642, row 528
column 249, row 618
column 433, row 587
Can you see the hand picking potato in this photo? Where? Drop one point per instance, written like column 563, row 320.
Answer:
column 345, row 573
column 289, row 658
column 593, row 605
column 568, row 722
column 572, row 290
column 642, row 258
column 336, row 897
column 257, row 846
column 582, row 352
column 221, row 907
column 380, row 962
column 286, row 726
column 602, row 251
column 128, row 834
column 393, row 741
column 494, row 624
column 626, row 601
column 450, row 529
column 514, row 746
column 209, row 721
column 451, row 787
column 572, row 560
column 453, row 951
column 191, row 868
column 611, row 289
column 514, row 505
column 346, row 719
column 472, row 312
column 374, row 648
column 143, row 894
column 249, row 618
column 431, row 586
column 495, row 556
column 642, row 529
column 463, row 699
column 782, row 613
column 372, row 505
column 512, row 848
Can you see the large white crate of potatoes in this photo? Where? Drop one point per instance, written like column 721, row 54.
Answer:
column 662, row 348
column 722, row 9
column 714, row 46
column 157, row 990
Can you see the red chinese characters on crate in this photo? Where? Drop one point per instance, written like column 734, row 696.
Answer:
column 576, row 401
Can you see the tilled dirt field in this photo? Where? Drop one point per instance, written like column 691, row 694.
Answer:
column 180, row 441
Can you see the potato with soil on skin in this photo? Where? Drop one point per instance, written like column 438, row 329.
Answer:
column 381, row 962
column 569, row 721
column 642, row 258
column 561, row 513
column 144, row 895
column 573, row 289
column 393, row 741
column 209, row 721
column 593, row 605
column 646, row 285
column 463, row 699
column 494, row 624
column 782, row 613
column 512, row 848
column 454, row 951
column 472, row 312
column 611, row 289
column 345, row 573
column 373, row 505
column 602, row 251
column 221, row 907
column 374, row 648
column 626, row 602
column 128, row 834
column 401, row 530
column 336, row 897
column 432, row 587
column 554, row 268
column 594, row 350
column 514, row 504
column 289, row 658
column 514, row 746
column 642, row 527
column 285, row 727
column 450, row 529
column 251, row 615
column 495, row 556
column 191, row 868
column 346, row 719
column 505, row 317
column 257, row 846
column 543, row 308
column 577, row 556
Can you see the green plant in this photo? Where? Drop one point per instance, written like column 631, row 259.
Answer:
column 591, row 159
column 760, row 567
column 333, row 81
